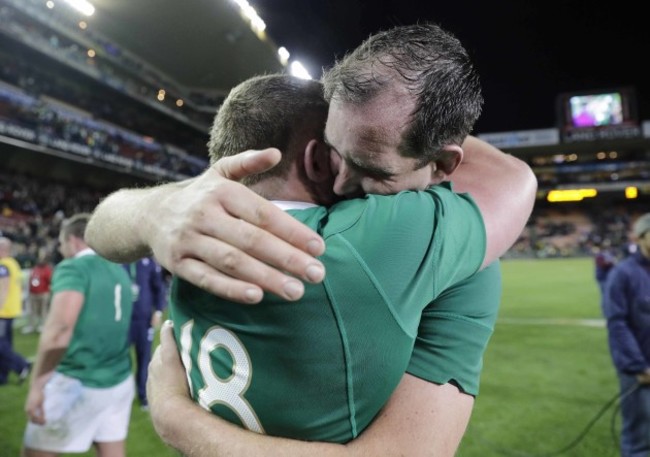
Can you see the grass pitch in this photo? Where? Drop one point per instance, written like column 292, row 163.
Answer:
column 547, row 371
column 547, row 374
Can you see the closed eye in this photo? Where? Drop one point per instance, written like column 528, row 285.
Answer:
column 376, row 173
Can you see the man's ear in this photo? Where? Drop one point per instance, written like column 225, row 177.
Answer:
column 450, row 158
column 317, row 161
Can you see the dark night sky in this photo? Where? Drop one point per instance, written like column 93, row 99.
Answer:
column 526, row 52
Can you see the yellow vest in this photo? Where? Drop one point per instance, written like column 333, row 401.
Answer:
column 13, row 306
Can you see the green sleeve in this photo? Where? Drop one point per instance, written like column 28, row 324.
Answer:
column 455, row 330
column 68, row 276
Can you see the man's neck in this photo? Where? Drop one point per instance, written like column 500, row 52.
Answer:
column 288, row 189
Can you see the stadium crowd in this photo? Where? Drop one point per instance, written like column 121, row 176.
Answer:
column 32, row 209
column 113, row 118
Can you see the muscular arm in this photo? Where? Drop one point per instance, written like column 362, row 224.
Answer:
column 244, row 245
column 504, row 188
column 54, row 341
column 404, row 427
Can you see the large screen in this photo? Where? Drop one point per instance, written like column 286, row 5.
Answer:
column 598, row 114
column 596, row 109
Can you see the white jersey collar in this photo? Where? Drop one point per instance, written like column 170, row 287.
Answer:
column 84, row 252
column 287, row 204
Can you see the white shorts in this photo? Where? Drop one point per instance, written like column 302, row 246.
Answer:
column 81, row 416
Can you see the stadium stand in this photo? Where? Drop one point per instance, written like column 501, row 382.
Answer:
column 80, row 116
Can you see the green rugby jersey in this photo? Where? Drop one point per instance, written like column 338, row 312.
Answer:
column 322, row 368
column 455, row 329
column 98, row 354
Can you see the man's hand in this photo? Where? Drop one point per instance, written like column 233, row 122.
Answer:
column 167, row 381
column 222, row 237
column 156, row 319
column 34, row 404
column 213, row 232
column 644, row 378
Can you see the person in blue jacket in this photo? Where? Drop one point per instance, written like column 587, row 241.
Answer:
column 627, row 308
column 149, row 300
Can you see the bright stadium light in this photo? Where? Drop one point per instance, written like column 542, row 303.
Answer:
column 299, row 71
column 631, row 192
column 83, row 6
column 257, row 24
column 284, row 55
column 570, row 195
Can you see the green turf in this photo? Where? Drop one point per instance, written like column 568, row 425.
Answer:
column 545, row 377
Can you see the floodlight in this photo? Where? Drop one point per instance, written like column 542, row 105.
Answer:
column 299, row 71
column 83, row 6
column 284, row 55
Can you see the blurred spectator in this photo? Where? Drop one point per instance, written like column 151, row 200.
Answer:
column 40, row 278
column 604, row 261
column 626, row 306
column 81, row 393
column 11, row 285
column 149, row 301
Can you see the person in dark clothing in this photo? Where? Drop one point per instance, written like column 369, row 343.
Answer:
column 604, row 260
column 149, row 300
column 627, row 309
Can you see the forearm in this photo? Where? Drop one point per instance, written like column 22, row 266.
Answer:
column 485, row 169
column 51, row 348
column 195, row 432
column 420, row 420
column 213, row 232
column 120, row 224
column 504, row 188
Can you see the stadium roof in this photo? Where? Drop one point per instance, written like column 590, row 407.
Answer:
column 200, row 44
column 526, row 52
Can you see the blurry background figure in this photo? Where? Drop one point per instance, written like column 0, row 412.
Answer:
column 82, row 388
column 604, row 260
column 626, row 305
column 10, row 308
column 149, row 301
column 40, row 278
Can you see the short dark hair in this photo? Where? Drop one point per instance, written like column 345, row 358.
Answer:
column 432, row 65
column 75, row 225
column 275, row 110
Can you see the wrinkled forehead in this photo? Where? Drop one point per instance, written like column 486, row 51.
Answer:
column 379, row 121
column 391, row 104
